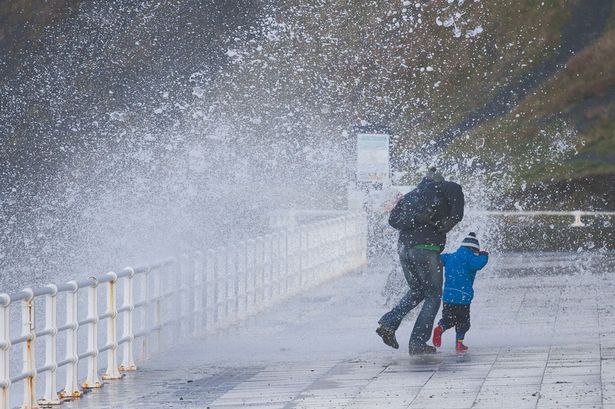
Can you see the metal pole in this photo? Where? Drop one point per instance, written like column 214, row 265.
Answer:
column 51, row 395
column 112, row 372
column 155, row 276
column 128, row 362
column 275, row 266
column 71, row 390
column 199, row 278
column 145, row 313
column 179, row 298
column 29, row 356
column 284, row 262
column 187, row 297
column 577, row 219
column 232, row 284
column 92, row 380
column 303, row 254
column 251, row 277
column 5, row 354
column 260, row 272
column 242, row 281
column 267, row 270
column 210, row 290
column 221, row 285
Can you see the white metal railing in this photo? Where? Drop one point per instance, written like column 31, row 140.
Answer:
column 186, row 296
column 576, row 214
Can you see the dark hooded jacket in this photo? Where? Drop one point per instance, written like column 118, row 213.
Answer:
column 443, row 204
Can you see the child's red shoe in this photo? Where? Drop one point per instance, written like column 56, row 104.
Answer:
column 437, row 336
column 460, row 347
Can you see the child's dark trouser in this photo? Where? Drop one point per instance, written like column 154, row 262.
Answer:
column 458, row 316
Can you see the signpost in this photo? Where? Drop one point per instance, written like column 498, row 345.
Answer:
column 373, row 158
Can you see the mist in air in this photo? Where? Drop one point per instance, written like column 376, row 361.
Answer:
column 134, row 131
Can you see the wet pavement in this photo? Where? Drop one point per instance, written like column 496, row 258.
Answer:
column 535, row 342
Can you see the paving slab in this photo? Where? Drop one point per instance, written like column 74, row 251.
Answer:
column 535, row 342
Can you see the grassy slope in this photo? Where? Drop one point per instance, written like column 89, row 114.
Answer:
column 337, row 63
column 368, row 62
column 577, row 105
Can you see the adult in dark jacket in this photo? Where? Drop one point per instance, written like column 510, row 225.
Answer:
column 422, row 237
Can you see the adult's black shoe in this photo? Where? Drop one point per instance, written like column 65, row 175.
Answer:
column 388, row 336
column 421, row 349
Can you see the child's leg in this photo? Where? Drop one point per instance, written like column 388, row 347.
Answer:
column 447, row 321
column 463, row 320
column 448, row 317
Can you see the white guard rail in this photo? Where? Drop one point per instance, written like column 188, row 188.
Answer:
column 177, row 298
column 576, row 214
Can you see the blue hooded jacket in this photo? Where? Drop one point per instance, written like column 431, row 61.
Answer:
column 460, row 270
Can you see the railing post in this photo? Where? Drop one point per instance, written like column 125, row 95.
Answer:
column 277, row 265
column 284, row 262
column 29, row 355
column 71, row 390
column 156, row 305
column 303, row 254
column 577, row 220
column 188, row 296
column 5, row 348
column 259, row 284
column 232, row 284
column 363, row 220
column 145, row 313
column 128, row 362
column 112, row 372
column 199, row 280
column 267, row 270
column 242, row 281
column 180, row 296
column 250, row 277
column 221, row 286
column 92, row 380
column 210, row 290
column 346, row 247
column 51, row 395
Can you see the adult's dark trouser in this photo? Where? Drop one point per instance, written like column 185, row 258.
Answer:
column 458, row 316
column 423, row 272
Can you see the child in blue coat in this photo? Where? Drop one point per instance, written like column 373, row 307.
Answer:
column 460, row 270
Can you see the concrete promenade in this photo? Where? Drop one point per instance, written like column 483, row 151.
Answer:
column 542, row 336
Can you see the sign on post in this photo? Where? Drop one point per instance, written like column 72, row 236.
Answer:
column 373, row 157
